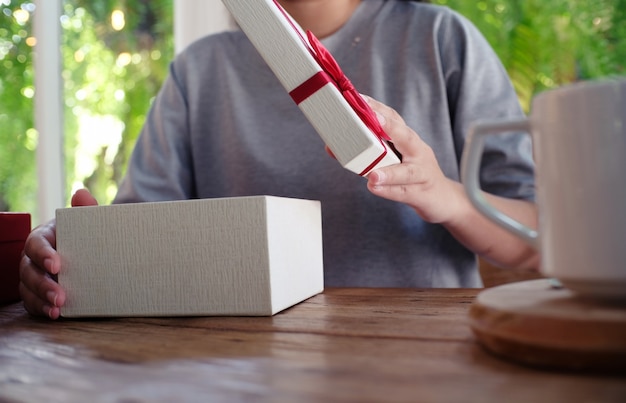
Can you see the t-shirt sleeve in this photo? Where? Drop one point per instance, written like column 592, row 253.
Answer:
column 479, row 89
column 160, row 166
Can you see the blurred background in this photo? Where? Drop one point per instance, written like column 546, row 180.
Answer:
column 115, row 55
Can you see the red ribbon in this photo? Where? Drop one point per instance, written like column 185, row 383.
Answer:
column 330, row 66
column 310, row 87
column 332, row 73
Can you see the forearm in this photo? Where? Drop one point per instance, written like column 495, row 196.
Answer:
column 489, row 240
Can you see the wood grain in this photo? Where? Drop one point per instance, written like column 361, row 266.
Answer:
column 361, row 345
column 538, row 324
column 493, row 276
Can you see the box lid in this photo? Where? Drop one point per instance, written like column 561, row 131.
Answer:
column 314, row 80
column 14, row 226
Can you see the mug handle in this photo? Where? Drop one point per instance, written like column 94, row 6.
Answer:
column 470, row 167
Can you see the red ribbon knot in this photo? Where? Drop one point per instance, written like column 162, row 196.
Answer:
column 332, row 73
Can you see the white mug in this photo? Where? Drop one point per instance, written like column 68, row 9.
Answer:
column 579, row 144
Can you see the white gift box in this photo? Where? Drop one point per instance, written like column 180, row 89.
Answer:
column 248, row 256
column 289, row 53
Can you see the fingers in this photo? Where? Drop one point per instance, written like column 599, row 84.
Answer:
column 417, row 168
column 402, row 183
column 82, row 197
column 40, row 248
column 405, row 140
column 418, row 159
column 418, row 180
column 40, row 293
column 382, row 109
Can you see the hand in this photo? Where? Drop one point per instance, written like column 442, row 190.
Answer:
column 41, row 294
column 418, row 181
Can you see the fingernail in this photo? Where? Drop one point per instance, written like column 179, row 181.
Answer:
column 46, row 310
column 51, row 296
column 381, row 119
column 48, row 264
column 379, row 177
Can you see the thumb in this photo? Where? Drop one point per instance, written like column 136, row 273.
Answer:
column 82, row 197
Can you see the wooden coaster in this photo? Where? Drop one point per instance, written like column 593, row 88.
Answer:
column 540, row 324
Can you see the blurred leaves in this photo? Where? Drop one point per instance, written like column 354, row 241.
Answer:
column 113, row 72
column 17, row 145
column 545, row 44
column 110, row 76
column 116, row 54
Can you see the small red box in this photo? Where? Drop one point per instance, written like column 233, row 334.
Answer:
column 14, row 229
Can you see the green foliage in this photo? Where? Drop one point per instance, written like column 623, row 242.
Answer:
column 545, row 44
column 111, row 75
column 18, row 139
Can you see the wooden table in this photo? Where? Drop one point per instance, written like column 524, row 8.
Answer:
column 358, row 345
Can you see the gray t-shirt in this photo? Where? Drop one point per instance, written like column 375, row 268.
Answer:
column 223, row 126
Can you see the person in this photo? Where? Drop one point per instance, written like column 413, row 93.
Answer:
column 223, row 126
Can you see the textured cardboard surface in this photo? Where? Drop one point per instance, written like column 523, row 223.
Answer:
column 232, row 256
column 277, row 40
